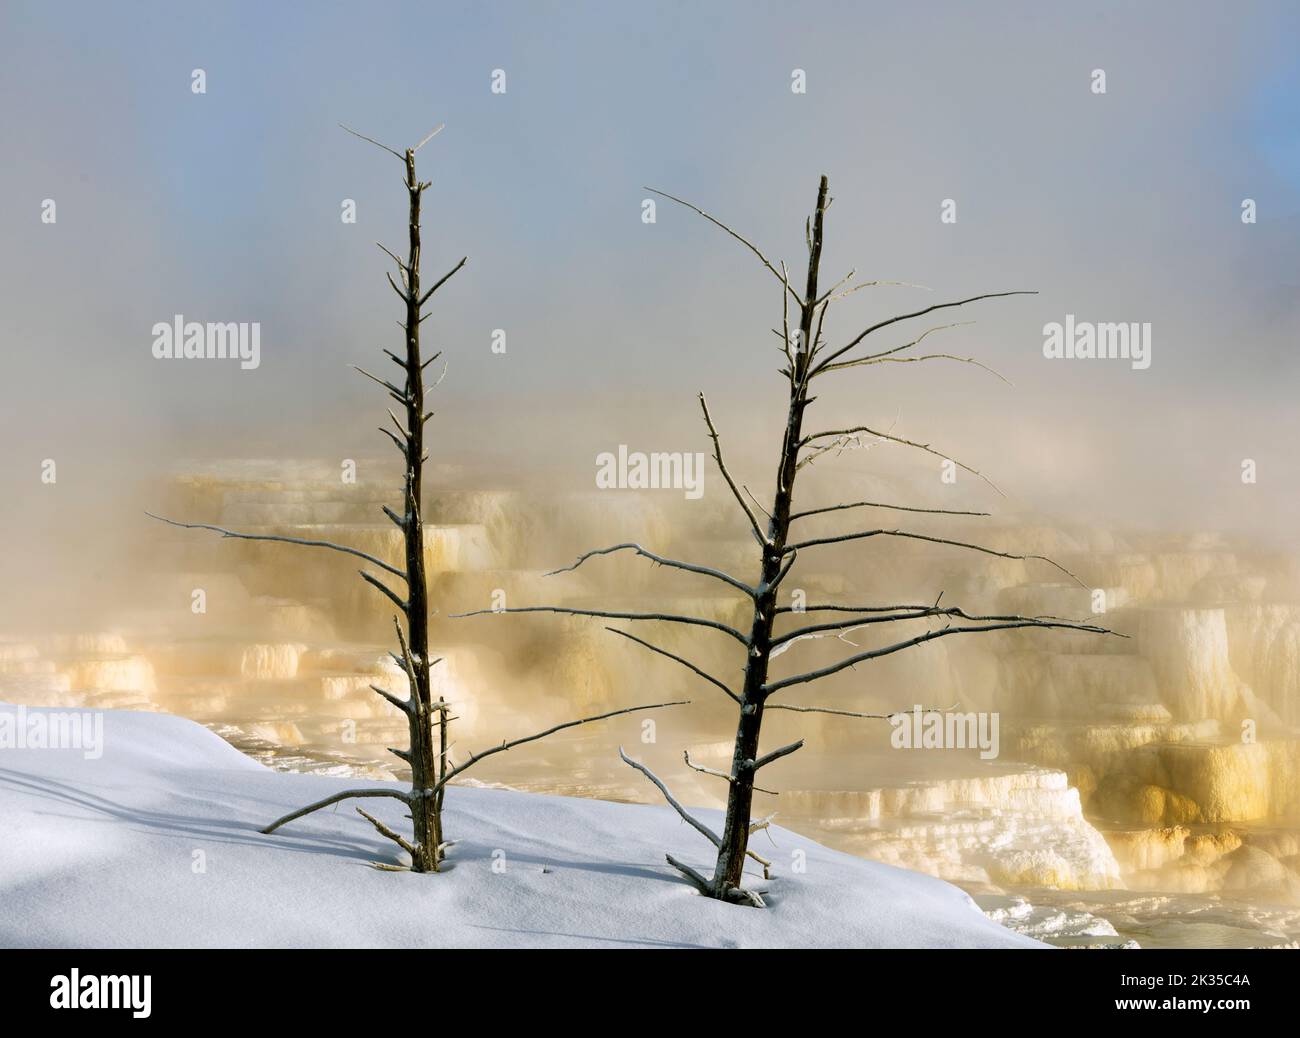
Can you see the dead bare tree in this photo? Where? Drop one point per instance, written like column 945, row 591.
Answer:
column 427, row 755
column 807, row 357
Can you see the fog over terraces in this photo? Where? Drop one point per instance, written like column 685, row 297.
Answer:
column 1123, row 769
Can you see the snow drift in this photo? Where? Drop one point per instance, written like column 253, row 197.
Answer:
column 156, row 844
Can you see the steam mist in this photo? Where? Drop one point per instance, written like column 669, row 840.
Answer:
column 1122, row 757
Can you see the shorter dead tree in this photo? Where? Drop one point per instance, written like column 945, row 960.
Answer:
column 428, row 754
column 807, row 357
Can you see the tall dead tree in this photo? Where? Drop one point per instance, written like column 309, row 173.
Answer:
column 427, row 755
column 807, row 357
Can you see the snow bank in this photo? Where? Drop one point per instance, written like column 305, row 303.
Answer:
column 155, row 844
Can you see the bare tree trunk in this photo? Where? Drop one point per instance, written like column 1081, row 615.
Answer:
column 424, row 762
column 431, row 767
column 735, row 831
column 807, row 357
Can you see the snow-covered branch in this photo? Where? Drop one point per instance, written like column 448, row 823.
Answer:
column 854, row 623
column 843, row 438
column 743, row 241
column 305, row 542
column 689, row 567
column 673, row 656
column 474, row 758
column 836, row 354
column 722, row 467
column 920, row 639
column 687, row 817
column 777, row 754
column 698, row 621
column 863, row 534
column 347, row 794
column 877, row 504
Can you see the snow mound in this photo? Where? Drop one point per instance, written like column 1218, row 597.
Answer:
column 155, row 843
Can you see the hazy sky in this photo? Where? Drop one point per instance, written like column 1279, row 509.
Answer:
column 225, row 206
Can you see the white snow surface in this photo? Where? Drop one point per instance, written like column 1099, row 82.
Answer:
column 105, row 853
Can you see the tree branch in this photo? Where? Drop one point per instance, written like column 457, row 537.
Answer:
column 432, row 134
column 672, row 656
column 401, row 704
column 396, row 442
column 376, row 582
column 784, row 570
column 694, row 823
column 872, row 358
column 393, row 391
column 400, row 156
column 689, row 567
column 285, row 540
column 852, row 609
column 907, row 317
column 408, row 665
column 686, row 756
column 442, row 281
column 386, row 831
column 474, row 758
column 401, row 265
column 921, row 613
column 832, row 295
column 735, row 491
column 743, row 241
column 703, row 884
column 757, row 504
column 404, row 296
column 347, row 794
column 931, row 356
column 777, row 754
column 932, row 540
column 841, row 630
column 832, row 710
column 920, row 639
column 785, row 321
column 895, row 439
column 877, row 504
column 826, row 296
column 667, row 617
